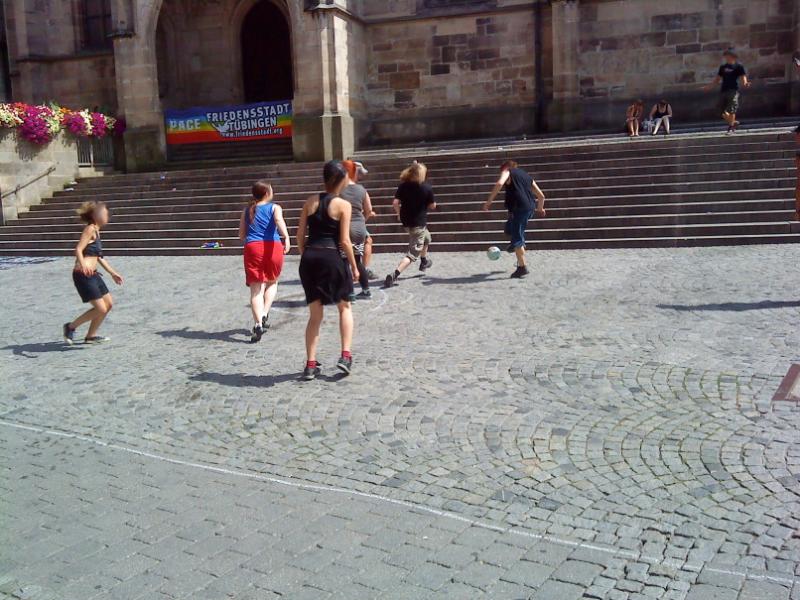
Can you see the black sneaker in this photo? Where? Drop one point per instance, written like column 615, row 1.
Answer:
column 425, row 264
column 69, row 334
column 389, row 282
column 511, row 249
column 265, row 322
column 310, row 374
column 520, row 273
column 364, row 295
column 258, row 333
column 96, row 339
column 345, row 365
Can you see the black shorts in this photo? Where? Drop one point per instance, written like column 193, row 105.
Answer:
column 90, row 288
column 325, row 275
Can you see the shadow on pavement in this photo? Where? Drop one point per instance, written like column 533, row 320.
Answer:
column 240, row 380
column 31, row 350
column 733, row 306
column 466, row 279
column 230, row 336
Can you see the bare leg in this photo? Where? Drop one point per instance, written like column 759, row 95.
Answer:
column 666, row 124
column 102, row 307
column 346, row 325
column 730, row 118
column 424, row 253
column 636, row 127
column 316, row 312
column 630, row 128
column 403, row 264
column 257, row 291
column 658, row 125
column 368, row 251
column 520, row 252
column 270, row 293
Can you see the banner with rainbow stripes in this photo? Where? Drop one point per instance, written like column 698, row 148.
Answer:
column 201, row 125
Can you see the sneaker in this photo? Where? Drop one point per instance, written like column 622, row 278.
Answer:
column 389, row 282
column 310, row 374
column 364, row 295
column 265, row 322
column 258, row 332
column 69, row 334
column 520, row 273
column 371, row 275
column 511, row 249
column 345, row 365
column 425, row 264
column 96, row 339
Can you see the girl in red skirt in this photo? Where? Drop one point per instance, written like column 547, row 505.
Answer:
column 261, row 228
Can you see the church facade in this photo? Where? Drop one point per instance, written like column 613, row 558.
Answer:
column 366, row 72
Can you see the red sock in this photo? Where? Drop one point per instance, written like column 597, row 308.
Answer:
column 346, row 354
column 311, row 364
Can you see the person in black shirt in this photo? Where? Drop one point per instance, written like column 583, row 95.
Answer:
column 520, row 191
column 729, row 75
column 412, row 201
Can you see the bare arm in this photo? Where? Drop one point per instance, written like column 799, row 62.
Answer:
column 87, row 237
column 746, row 81
column 653, row 112
column 716, row 81
column 303, row 225
column 540, row 197
column 114, row 275
column 242, row 226
column 368, row 211
column 496, row 189
column 282, row 229
column 669, row 110
column 345, row 214
column 396, row 207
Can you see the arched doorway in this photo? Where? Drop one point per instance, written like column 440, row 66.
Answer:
column 266, row 54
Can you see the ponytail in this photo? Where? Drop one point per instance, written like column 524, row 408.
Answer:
column 260, row 190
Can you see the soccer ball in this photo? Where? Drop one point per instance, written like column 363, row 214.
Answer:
column 494, row 253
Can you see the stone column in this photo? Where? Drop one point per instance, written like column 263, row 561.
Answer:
column 137, row 87
column 324, row 127
column 565, row 112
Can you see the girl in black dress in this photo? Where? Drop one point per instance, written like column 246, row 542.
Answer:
column 327, row 265
column 88, row 281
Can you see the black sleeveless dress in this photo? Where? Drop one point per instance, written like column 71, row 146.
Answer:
column 325, row 274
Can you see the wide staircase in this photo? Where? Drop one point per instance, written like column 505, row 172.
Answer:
column 692, row 189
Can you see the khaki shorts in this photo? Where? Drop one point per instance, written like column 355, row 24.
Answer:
column 419, row 238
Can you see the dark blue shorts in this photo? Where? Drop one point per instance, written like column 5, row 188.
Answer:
column 90, row 288
column 515, row 227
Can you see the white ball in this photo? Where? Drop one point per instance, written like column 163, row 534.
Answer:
column 494, row 253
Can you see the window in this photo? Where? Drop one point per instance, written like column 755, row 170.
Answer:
column 97, row 24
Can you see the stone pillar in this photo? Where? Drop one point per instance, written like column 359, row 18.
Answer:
column 324, row 127
column 137, row 89
column 565, row 112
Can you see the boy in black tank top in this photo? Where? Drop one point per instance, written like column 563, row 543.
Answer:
column 520, row 191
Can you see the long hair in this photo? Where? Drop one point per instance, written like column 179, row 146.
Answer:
column 508, row 165
column 416, row 171
column 332, row 173
column 260, row 191
column 86, row 211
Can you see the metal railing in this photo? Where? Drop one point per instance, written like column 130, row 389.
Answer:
column 18, row 188
column 95, row 152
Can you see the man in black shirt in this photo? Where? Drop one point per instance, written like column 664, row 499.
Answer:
column 520, row 191
column 729, row 74
column 412, row 201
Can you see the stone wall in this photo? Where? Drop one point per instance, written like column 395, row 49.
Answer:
column 655, row 48
column 450, row 77
column 28, row 166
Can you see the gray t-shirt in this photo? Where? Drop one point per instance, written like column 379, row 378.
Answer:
column 355, row 195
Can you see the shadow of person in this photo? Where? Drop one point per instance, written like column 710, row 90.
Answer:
column 230, row 336
column 240, row 380
column 32, row 350
column 466, row 279
column 733, row 306
column 290, row 303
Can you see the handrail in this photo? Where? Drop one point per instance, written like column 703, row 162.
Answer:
column 22, row 186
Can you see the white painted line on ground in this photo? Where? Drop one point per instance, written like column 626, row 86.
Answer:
column 629, row 554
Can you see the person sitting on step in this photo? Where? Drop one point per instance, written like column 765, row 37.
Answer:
column 661, row 115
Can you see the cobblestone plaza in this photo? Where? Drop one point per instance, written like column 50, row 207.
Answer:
column 604, row 429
